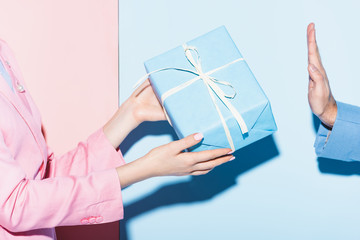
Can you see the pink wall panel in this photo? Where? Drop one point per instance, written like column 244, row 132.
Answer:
column 68, row 54
column 67, row 51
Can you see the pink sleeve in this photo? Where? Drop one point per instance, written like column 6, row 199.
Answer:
column 62, row 200
column 95, row 154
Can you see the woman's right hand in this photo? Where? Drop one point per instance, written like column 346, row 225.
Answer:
column 170, row 160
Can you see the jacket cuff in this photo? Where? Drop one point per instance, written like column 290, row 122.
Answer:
column 101, row 151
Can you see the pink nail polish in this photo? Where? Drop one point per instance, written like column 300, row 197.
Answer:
column 231, row 158
column 198, row 136
column 231, row 152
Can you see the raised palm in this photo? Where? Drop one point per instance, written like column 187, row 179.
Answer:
column 321, row 100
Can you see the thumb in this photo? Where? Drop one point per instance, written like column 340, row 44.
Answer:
column 188, row 141
column 153, row 113
column 315, row 74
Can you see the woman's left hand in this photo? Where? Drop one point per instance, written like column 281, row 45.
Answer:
column 146, row 106
column 141, row 106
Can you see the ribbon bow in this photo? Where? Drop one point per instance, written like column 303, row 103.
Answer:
column 211, row 84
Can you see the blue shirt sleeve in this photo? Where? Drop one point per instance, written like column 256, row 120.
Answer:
column 343, row 141
column 6, row 75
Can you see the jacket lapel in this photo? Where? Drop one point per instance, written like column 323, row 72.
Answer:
column 16, row 102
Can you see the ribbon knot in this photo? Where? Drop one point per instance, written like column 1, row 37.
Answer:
column 211, row 84
column 196, row 63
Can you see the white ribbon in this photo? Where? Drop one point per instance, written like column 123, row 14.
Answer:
column 211, row 85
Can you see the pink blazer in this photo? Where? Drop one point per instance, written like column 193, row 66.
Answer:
column 39, row 191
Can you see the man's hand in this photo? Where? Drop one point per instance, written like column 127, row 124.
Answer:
column 321, row 100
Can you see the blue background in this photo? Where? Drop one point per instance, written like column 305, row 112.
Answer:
column 276, row 188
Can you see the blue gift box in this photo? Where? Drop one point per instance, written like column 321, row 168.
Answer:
column 191, row 109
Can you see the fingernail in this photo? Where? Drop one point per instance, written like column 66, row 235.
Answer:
column 198, row 136
column 231, row 158
column 231, row 152
column 312, row 68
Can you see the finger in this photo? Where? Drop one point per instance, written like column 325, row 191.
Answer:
column 197, row 173
column 310, row 27
column 203, row 166
column 187, row 142
column 208, row 154
column 153, row 113
column 149, row 97
column 311, row 40
column 313, row 50
column 141, row 88
column 315, row 75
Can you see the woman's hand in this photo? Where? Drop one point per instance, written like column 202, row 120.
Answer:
column 146, row 106
column 321, row 100
column 170, row 160
column 141, row 106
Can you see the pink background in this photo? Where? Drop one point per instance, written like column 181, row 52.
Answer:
column 68, row 54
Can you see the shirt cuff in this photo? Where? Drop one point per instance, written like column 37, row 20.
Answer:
column 342, row 141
